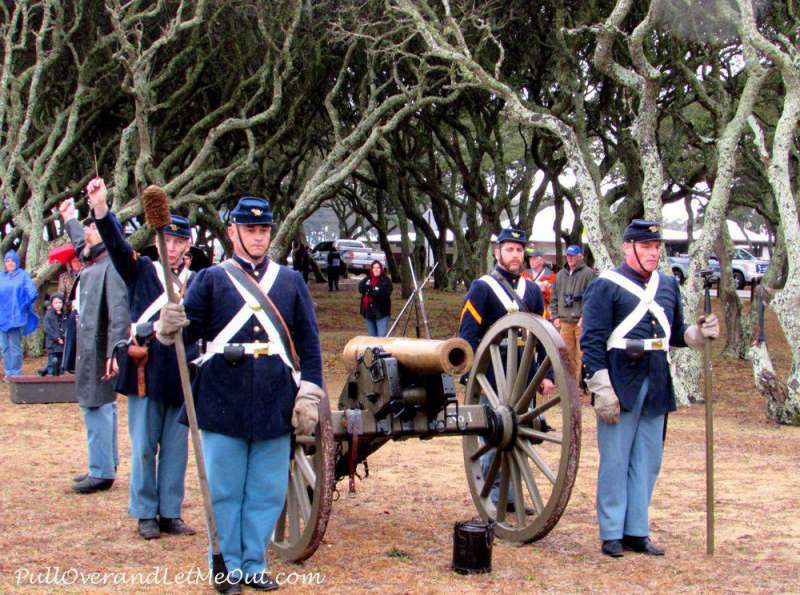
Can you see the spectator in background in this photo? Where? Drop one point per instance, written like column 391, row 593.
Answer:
column 541, row 274
column 376, row 300
column 67, row 279
column 566, row 303
column 55, row 327
column 17, row 295
column 300, row 259
column 334, row 268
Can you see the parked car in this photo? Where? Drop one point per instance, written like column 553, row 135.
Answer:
column 680, row 268
column 357, row 255
column 747, row 268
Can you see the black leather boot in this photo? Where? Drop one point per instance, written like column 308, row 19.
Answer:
column 148, row 529
column 261, row 582
column 174, row 526
column 642, row 545
column 89, row 485
column 613, row 548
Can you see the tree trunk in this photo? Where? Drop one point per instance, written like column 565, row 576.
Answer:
column 785, row 302
column 735, row 343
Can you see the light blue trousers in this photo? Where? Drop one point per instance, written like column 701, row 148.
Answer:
column 248, row 481
column 630, row 459
column 159, row 449
column 101, row 440
column 11, row 348
column 377, row 327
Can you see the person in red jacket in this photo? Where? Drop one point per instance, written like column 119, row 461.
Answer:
column 376, row 300
column 541, row 274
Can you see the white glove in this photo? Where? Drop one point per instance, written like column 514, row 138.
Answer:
column 172, row 320
column 606, row 403
column 707, row 326
column 305, row 414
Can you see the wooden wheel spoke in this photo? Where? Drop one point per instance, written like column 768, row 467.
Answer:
column 539, row 410
column 280, row 526
column 530, row 391
column 499, row 373
column 512, row 355
column 537, row 459
column 300, row 492
column 554, row 437
column 303, row 464
column 502, row 500
column 292, row 513
column 524, row 368
column 530, row 482
column 519, row 496
column 491, row 474
column 487, row 389
column 481, row 451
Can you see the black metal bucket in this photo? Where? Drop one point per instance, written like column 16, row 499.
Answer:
column 472, row 546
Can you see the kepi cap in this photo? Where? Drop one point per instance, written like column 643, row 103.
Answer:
column 179, row 227
column 251, row 210
column 640, row 230
column 511, row 234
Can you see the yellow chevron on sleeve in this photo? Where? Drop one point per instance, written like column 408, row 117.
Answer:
column 468, row 307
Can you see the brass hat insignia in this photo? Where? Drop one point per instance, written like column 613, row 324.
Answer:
column 173, row 227
column 654, row 228
column 256, row 212
column 515, row 234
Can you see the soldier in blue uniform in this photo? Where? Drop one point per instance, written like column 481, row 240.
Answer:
column 490, row 298
column 149, row 374
column 261, row 375
column 632, row 314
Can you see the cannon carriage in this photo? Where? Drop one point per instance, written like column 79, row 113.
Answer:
column 525, row 443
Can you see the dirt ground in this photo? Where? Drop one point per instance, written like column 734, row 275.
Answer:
column 395, row 536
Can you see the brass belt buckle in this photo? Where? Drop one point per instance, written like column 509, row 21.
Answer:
column 657, row 344
column 259, row 351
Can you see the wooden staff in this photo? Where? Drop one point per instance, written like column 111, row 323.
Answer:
column 709, row 421
column 156, row 213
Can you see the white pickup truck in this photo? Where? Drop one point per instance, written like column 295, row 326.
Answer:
column 745, row 267
column 357, row 255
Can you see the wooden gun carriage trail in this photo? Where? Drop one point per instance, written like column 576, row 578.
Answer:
column 401, row 388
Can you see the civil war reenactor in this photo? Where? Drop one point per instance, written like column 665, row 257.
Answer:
column 102, row 320
column 260, row 376
column 632, row 314
column 566, row 303
column 490, row 298
column 149, row 373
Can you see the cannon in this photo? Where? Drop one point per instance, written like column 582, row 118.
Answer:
column 399, row 388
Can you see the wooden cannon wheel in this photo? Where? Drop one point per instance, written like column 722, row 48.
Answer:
column 301, row 526
column 540, row 465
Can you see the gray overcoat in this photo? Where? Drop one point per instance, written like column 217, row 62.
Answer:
column 103, row 321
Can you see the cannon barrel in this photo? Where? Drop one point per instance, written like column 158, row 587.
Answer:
column 424, row 356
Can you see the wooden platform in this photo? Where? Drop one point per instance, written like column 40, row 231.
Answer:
column 29, row 389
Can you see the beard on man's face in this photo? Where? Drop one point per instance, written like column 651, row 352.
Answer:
column 511, row 264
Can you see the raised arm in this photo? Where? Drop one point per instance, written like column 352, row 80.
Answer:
column 74, row 229
column 119, row 250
